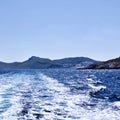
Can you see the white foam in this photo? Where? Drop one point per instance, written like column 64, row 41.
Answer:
column 72, row 108
column 89, row 79
column 53, row 84
column 97, row 87
column 12, row 82
column 61, row 94
column 117, row 103
column 11, row 113
column 73, row 103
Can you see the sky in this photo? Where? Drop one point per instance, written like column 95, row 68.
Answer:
column 59, row 28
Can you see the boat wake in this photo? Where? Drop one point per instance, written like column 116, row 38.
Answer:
column 38, row 96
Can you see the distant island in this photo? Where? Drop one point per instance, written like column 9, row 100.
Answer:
column 71, row 62
column 45, row 63
column 109, row 64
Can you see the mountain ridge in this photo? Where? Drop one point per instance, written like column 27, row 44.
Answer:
column 35, row 62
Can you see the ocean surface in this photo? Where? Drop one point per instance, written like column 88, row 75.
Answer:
column 59, row 94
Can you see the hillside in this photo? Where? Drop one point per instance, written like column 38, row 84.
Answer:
column 75, row 62
column 44, row 63
column 110, row 64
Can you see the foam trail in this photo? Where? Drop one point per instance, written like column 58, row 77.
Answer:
column 11, row 92
column 73, row 104
column 67, row 104
column 38, row 96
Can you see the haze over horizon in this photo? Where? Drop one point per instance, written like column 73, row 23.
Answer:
column 59, row 29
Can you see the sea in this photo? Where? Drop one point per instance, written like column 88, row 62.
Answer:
column 59, row 94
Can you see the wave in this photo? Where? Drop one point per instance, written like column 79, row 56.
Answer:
column 97, row 88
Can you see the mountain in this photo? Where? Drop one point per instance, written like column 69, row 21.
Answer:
column 110, row 64
column 38, row 63
column 78, row 62
column 31, row 63
column 44, row 63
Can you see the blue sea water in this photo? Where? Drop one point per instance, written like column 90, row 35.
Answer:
column 59, row 94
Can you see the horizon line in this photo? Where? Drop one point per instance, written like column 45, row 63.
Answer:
column 56, row 58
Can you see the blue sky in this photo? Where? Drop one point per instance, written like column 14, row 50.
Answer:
column 59, row 28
